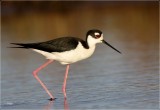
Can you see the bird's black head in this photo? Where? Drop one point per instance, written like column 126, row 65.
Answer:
column 95, row 33
column 95, row 36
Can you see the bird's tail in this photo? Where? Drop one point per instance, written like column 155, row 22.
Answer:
column 19, row 45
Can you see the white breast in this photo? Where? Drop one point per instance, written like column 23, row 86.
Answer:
column 71, row 56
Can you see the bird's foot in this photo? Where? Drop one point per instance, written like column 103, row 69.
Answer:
column 52, row 99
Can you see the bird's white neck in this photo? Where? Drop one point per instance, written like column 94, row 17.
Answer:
column 92, row 41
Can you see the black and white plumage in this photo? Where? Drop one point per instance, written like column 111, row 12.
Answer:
column 68, row 50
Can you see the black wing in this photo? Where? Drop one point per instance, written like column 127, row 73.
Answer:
column 56, row 45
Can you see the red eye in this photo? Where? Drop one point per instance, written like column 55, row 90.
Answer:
column 97, row 36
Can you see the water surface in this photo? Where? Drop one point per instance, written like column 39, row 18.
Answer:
column 107, row 80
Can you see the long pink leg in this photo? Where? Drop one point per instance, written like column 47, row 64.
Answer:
column 38, row 79
column 64, row 83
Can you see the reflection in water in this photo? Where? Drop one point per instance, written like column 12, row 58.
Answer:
column 66, row 106
column 49, row 105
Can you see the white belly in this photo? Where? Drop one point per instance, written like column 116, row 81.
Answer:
column 71, row 56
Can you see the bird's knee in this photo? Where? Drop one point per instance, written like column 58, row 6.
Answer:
column 34, row 73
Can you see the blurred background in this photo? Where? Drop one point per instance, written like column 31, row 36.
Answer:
column 107, row 79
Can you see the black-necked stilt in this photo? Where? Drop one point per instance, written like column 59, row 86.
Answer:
column 66, row 50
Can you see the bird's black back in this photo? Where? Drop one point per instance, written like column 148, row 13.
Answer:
column 55, row 45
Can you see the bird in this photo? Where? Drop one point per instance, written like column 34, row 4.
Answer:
column 66, row 50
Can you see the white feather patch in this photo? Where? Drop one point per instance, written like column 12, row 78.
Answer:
column 69, row 57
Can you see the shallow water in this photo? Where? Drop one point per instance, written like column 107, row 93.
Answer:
column 107, row 80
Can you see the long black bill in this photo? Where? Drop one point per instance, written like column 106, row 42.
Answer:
column 110, row 46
